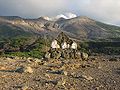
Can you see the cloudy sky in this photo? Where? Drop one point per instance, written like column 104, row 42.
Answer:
column 103, row 10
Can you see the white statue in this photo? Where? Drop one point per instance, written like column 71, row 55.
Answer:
column 68, row 45
column 54, row 44
column 64, row 45
column 74, row 45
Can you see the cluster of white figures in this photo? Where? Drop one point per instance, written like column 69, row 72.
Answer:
column 64, row 45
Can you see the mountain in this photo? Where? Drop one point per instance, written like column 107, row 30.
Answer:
column 80, row 28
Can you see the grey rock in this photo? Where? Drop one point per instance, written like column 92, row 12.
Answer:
column 47, row 55
column 24, row 70
column 84, row 56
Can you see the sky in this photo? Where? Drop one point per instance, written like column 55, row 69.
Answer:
column 107, row 11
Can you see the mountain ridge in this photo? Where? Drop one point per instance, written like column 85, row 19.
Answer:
column 81, row 28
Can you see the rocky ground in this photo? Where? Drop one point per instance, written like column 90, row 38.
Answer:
column 98, row 73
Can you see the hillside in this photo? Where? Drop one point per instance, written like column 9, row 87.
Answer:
column 81, row 28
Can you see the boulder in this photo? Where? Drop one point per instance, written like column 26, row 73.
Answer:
column 65, row 73
column 113, row 59
column 28, row 70
column 78, row 55
column 24, row 70
column 64, row 54
column 56, row 54
column 84, row 56
column 24, row 88
column 87, row 77
column 72, row 54
column 47, row 55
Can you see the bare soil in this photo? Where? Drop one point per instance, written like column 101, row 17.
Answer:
column 97, row 73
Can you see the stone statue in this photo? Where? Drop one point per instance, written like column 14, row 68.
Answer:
column 54, row 44
column 64, row 45
column 74, row 45
column 68, row 45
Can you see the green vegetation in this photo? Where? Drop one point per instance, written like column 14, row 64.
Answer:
column 84, row 47
column 29, row 47
column 110, row 48
column 24, row 47
column 14, row 41
column 114, row 30
column 108, row 27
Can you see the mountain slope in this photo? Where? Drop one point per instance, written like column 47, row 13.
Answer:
column 9, row 31
column 81, row 28
column 87, row 28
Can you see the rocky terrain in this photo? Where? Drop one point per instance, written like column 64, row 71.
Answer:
column 28, row 60
column 96, row 73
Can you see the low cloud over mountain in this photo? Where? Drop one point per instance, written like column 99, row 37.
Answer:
column 66, row 15
column 103, row 10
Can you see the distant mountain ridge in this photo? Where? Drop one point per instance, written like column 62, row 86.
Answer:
column 80, row 28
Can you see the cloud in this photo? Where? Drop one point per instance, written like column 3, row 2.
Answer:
column 70, row 15
column 104, row 10
column 66, row 16
column 31, row 8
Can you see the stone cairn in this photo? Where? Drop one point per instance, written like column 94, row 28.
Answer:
column 63, row 47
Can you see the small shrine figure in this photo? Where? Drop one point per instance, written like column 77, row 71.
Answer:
column 54, row 44
column 64, row 45
column 74, row 45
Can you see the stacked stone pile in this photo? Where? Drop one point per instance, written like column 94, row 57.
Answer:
column 63, row 47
